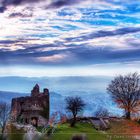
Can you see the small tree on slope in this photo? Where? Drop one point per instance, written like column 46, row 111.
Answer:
column 74, row 105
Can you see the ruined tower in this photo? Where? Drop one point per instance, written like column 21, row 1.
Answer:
column 35, row 91
column 32, row 109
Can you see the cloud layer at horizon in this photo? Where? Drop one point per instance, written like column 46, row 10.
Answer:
column 69, row 33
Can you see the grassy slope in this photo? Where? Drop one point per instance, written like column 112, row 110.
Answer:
column 0, row 134
column 15, row 134
column 120, row 130
column 64, row 132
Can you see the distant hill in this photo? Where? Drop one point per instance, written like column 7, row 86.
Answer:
column 92, row 89
column 25, row 84
column 7, row 96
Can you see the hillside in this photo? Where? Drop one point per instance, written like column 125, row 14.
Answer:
column 119, row 130
column 7, row 96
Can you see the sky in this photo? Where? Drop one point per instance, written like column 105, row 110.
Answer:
column 69, row 37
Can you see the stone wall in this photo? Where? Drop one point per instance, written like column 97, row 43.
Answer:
column 26, row 109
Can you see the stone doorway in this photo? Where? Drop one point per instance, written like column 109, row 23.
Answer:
column 34, row 121
column 26, row 121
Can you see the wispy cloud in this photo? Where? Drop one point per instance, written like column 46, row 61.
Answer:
column 68, row 32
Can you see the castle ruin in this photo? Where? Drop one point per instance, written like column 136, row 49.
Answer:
column 32, row 109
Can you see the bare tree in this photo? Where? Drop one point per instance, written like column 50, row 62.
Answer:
column 4, row 114
column 102, row 112
column 125, row 91
column 74, row 105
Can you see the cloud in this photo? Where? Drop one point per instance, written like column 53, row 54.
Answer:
column 87, row 32
column 60, row 3
column 52, row 58
column 2, row 9
column 8, row 41
column 17, row 2
column 21, row 15
column 100, row 34
column 5, row 3
column 68, row 55
column 51, row 3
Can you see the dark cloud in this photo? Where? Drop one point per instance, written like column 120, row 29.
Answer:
column 60, row 3
column 54, row 3
column 8, row 42
column 18, row 2
column 5, row 3
column 101, row 33
column 18, row 14
column 97, row 56
column 2, row 9
column 80, row 54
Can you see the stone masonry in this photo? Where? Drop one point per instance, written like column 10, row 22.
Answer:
column 32, row 109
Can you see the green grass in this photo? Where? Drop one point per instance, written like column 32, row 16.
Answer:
column 0, row 134
column 65, row 132
column 0, row 137
column 119, row 131
column 16, row 134
column 39, row 128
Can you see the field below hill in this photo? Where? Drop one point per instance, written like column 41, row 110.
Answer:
column 120, row 130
